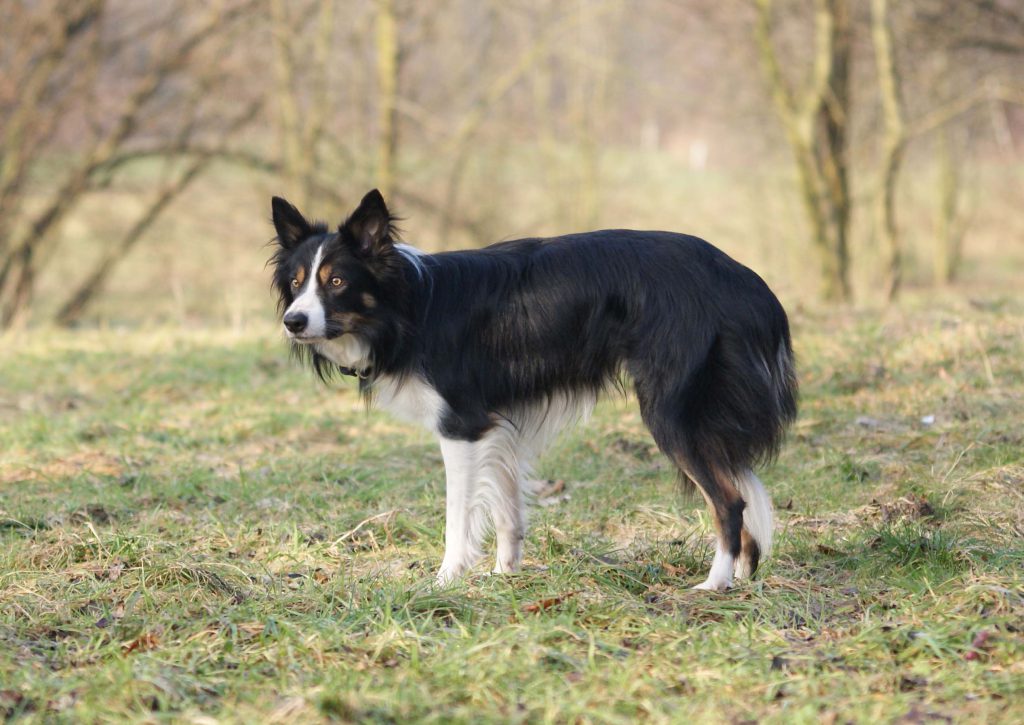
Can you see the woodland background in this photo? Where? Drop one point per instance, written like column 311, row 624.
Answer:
column 845, row 149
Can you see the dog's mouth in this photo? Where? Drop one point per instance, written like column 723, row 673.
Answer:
column 303, row 339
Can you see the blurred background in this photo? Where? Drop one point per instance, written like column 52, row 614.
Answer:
column 848, row 150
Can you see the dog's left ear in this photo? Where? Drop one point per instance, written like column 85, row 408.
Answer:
column 369, row 226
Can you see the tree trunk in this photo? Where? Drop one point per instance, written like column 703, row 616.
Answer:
column 893, row 145
column 815, row 122
column 833, row 147
column 950, row 224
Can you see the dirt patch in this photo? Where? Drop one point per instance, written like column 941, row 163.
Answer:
column 91, row 462
column 911, row 507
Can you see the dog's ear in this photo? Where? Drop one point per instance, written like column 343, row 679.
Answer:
column 291, row 226
column 369, row 226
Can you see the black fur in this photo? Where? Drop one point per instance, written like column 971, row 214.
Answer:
column 703, row 338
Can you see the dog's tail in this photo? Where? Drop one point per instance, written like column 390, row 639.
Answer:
column 738, row 404
column 757, row 514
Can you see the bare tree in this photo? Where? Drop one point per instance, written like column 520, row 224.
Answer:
column 42, row 91
column 952, row 212
column 428, row 101
column 815, row 120
column 76, row 304
column 978, row 47
column 29, row 232
column 894, row 141
column 301, row 125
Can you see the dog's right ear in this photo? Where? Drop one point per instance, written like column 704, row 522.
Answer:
column 291, row 226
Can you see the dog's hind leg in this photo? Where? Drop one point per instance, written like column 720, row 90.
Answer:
column 713, row 481
column 726, row 506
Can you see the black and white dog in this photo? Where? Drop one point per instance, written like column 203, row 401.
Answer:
column 495, row 350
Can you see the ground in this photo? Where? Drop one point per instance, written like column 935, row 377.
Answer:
column 193, row 529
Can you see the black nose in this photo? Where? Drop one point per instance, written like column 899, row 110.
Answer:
column 296, row 321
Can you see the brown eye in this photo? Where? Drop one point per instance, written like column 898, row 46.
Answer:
column 336, row 282
column 295, row 284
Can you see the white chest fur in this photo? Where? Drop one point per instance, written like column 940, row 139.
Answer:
column 411, row 399
column 349, row 351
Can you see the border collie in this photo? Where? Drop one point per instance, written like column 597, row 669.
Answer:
column 495, row 350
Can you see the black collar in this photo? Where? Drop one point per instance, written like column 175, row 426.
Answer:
column 353, row 372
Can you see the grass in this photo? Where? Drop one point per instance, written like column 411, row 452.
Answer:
column 193, row 530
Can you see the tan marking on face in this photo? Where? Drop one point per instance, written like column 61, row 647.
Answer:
column 300, row 276
column 324, row 274
column 347, row 320
column 369, row 301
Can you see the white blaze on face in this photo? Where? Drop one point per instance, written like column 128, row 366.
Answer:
column 308, row 302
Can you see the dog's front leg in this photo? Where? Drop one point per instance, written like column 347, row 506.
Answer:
column 461, row 541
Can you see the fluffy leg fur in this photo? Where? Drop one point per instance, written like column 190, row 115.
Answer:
column 500, row 492
column 757, row 524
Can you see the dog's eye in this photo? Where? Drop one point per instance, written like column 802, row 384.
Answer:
column 337, row 282
column 295, row 284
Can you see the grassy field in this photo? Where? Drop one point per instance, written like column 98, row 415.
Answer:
column 194, row 530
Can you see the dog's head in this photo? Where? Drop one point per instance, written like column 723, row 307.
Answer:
column 341, row 291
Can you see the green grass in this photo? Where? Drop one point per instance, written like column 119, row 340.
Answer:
column 192, row 528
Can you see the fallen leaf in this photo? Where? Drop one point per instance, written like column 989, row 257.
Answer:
column 12, row 699
column 978, row 645
column 543, row 604
column 909, row 683
column 143, row 642
column 550, row 488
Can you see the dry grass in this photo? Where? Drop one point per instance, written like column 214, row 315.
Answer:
column 193, row 530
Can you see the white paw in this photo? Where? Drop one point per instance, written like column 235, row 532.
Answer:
column 507, row 567
column 448, row 575
column 743, row 568
column 720, row 577
column 715, row 585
